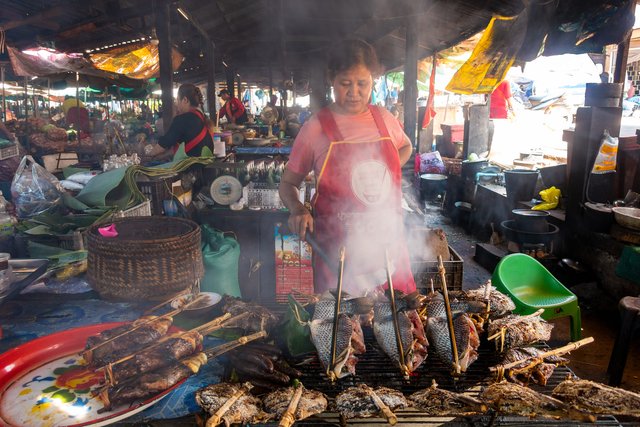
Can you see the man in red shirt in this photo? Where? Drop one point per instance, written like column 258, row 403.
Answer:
column 232, row 108
column 501, row 101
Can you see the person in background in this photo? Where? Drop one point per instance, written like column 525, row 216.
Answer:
column 232, row 109
column 501, row 106
column 159, row 123
column 356, row 151
column 273, row 102
column 189, row 126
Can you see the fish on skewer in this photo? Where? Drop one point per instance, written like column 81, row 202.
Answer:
column 499, row 304
column 311, row 402
column 151, row 383
column 231, row 404
column 518, row 331
column 598, row 398
column 126, row 344
column 358, row 401
column 513, row 399
column 539, row 372
column 414, row 341
column 349, row 337
column 467, row 338
column 435, row 401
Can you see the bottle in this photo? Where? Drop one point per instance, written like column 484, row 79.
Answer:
column 219, row 149
column 7, row 221
column 6, row 272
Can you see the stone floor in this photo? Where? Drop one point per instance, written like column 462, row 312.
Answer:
column 600, row 318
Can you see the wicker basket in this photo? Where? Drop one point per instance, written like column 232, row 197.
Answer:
column 152, row 258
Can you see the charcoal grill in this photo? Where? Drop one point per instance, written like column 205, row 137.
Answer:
column 375, row 369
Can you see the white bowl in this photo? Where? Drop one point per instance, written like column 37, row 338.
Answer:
column 627, row 217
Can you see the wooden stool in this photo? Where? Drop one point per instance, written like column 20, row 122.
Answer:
column 630, row 316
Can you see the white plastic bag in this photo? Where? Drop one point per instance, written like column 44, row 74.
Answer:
column 34, row 190
column 607, row 155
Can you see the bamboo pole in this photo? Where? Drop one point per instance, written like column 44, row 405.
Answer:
column 384, row 409
column 289, row 417
column 394, row 315
column 336, row 314
column 447, row 305
column 557, row 352
column 228, row 346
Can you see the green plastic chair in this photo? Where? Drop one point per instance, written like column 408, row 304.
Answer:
column 532, row 287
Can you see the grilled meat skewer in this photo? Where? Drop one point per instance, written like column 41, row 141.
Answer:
column 126, row 344
column 357, row 402
column 311, row 402
column 438, row 402
column 244, row 409
column 598, row 398
column 518, row 331
column 513, row 399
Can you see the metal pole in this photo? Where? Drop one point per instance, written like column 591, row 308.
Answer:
column 410, row 78
column 49, row 96
column 26, row 99
column 4, row 101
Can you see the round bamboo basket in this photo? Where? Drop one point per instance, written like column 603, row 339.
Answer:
column 151, row 258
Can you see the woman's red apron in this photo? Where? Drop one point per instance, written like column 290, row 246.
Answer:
column 357, row 204
column 193, row 143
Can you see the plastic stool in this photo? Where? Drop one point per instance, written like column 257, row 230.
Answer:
column 630, row 315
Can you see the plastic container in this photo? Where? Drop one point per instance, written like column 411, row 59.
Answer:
column 521, row 184
column 6, row 272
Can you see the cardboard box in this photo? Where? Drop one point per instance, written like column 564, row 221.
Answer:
column 293, row 265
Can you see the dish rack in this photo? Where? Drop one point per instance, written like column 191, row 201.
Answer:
column 265, row 196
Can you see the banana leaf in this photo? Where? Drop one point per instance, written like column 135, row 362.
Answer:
column 296, row 330
column 58, row 257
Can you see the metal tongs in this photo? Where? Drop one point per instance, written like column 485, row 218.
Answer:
column 394, row 315
column 336, row 313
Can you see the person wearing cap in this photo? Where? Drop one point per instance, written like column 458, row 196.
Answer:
column 356, row 151
column 232, row 109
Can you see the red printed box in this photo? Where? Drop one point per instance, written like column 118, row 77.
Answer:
column 293, row 265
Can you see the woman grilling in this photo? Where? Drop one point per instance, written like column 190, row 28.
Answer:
column 356, row 151
column 190, row 125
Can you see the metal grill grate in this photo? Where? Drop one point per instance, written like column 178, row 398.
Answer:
column 375, row 369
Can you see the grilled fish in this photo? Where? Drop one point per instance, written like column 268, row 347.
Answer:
column 521, row 330
column 437, row 402
column 259, row 319
column 499, row 303
column 356, row 402
column 467, row 338
column 436, row 307
column 311, row 402
column 349, row 336
column 540, row 373
column 598, row 398
column 414, row 342
column 247, row 409
column 513, row 399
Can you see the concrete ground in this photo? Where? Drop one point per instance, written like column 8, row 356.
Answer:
column 600, row 318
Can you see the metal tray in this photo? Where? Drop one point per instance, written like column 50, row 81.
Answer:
column 25, row 271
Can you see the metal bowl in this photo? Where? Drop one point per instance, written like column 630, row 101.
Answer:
column 257, row 142
column 627, row 217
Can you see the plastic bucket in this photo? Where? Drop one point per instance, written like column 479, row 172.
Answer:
column 520, row 183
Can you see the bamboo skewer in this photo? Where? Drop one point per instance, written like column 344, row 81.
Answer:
column 447, row 306
column 228, row 346
column 336, row 313
column 216, row 417
column 557, row 352
column 138, row 326
column 384, row 409
column 289, row 417
column 162, row 304
column 205, row 329
column 394, row 316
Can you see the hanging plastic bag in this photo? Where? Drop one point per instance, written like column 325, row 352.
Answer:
column 34, row 190
column 220, row 255
column 429, row 163
column 607, row 155
column 550, row 197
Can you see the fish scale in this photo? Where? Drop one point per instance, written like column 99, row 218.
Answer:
column 385, row 333
column 438, row 333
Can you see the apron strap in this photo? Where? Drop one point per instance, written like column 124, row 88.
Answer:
column 380, row 124
column 329, row 125
column 198, row 138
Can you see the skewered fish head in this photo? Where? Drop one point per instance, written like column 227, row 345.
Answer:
column 357, row 402
column 438, row 402
column 598, row 398
column 311, row 402
column 246, row 409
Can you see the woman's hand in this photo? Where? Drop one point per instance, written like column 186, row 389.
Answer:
column 300, row 221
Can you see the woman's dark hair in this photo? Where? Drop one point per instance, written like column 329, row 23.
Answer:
column 192, row 93
column 350, row 53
